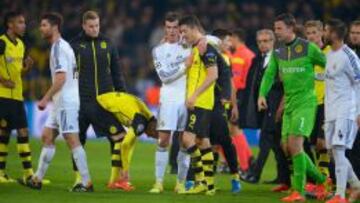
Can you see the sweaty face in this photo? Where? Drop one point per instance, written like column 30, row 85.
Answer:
column 313, row 34
column 282, row 31
column 46, row 29
column 355, row 35
column 172, row 31
column 91, row 27
column 187, row 33
column 264, row 42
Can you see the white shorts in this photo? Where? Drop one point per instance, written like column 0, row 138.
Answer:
column 341, row 132
column 172, row 116
column 64, row 120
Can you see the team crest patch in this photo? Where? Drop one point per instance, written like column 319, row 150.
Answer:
column 3, row 123
column 113, row 129
column 103, row 45
column 299, row 48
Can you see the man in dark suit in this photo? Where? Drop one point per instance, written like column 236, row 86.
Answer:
column 269, row 120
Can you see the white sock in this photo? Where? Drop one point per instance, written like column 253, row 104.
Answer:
column 161, row 161
column 47, row 154
column 341, row 170
column 183, row 162
column 79, row 156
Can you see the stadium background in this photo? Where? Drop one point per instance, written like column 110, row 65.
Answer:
column 136, row 26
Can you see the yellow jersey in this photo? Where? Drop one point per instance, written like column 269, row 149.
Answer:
column 11, row 65
column 319, row 79
column 196, row 75
column 124, row 106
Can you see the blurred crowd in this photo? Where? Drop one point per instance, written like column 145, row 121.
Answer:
column 135, row 26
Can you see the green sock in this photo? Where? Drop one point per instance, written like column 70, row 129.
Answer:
column 299, row 164
column 313, row 171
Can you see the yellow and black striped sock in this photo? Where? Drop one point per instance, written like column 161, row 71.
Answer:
column 207, row 158
column 196, row 164
column 24, row 152
column 4, row 142
column 115, row 162
column 323, row 162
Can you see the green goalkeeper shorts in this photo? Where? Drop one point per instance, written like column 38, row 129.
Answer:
column 298, row 122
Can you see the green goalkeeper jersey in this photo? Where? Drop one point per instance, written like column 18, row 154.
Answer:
column 294, row 62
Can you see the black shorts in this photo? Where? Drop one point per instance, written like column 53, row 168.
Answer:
column 198, row 122
column 103, row 122
column 12, row 114
column 318, row 131
column 219, row 128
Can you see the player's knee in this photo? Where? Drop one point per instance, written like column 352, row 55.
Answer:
column 24, row 132
column 188, row 139
column 204, row 143
column 164, row 139
column 72, row 140
column 47, row 140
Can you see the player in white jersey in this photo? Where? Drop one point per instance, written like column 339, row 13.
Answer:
column 342, row 106
column 64, row 93
column 170, row 59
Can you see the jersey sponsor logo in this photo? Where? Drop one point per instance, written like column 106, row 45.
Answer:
column 293, row 70
column 13, row 59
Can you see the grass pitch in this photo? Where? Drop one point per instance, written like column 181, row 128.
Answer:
column 142, row 173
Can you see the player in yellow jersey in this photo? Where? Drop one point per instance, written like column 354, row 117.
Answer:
column 201, row 77
column 132, row 113
column 314, row 33
column 12, row 113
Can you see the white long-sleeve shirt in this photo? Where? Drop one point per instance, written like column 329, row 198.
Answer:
column 169, row 61
column 342, row 81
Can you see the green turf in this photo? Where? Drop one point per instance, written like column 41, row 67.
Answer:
column 142, row 172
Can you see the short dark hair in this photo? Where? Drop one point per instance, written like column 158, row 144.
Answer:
column 287, row 18
column 338, row 27
column 221, row 33
column 9, row 16
column 55, row 19
column 172, row 16
column 239, row 33
column 191, row 21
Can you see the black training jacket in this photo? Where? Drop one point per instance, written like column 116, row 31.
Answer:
column 98, row 65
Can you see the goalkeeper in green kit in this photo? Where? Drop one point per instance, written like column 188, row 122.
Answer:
column 294, row 61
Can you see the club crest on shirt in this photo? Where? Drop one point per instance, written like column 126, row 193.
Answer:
column 113, row 129
column 299, row 48
column 3, row 123
column 103, row 45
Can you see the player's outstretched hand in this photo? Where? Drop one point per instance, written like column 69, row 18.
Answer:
column 262, row 105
